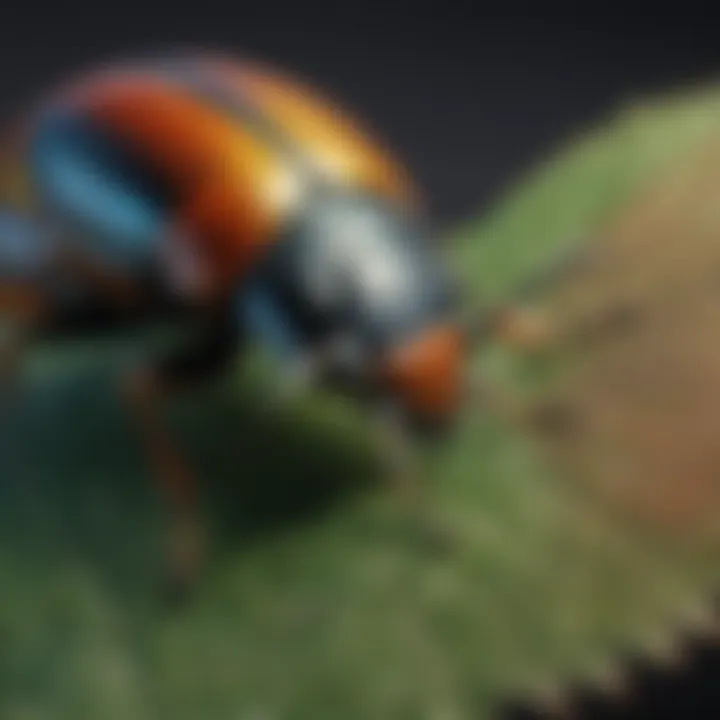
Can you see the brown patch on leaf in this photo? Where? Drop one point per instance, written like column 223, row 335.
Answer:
column 642, row 330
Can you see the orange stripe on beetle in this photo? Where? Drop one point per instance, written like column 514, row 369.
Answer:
column 336, row 144
column 234, row 189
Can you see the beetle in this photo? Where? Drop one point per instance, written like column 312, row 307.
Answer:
column 241, row 199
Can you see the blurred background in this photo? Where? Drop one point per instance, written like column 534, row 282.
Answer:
column 470, row 94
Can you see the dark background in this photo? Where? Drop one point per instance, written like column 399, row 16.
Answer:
column 470, row 94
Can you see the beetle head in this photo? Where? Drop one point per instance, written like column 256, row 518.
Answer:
column 423, row 376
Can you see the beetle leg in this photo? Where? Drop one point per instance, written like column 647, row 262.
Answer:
column 147, row 389
column 553, row 415
column 175, row 481
column 397, row 456
column 399, row 459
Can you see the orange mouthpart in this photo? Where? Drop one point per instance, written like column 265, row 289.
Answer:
column 425, row 373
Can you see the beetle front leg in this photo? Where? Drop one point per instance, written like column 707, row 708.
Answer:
column 399, row 457
column 146, row 392
column 204, row 357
